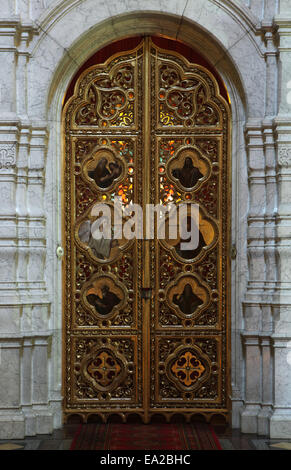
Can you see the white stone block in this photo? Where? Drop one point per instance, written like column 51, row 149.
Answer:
column 12, row 426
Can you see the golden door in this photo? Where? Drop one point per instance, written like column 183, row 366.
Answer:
column 146, row 323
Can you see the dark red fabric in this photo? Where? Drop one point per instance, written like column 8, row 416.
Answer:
column 112, row 436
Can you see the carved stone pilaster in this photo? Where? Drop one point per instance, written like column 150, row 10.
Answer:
column 249, row 415
column 271, row 206
column 283, row 144
column 280, row 422
column 284, row 48
column 255, row 416
column 257, row 194
column 271, row 55
column 283, row 131
column 24, row 303
column 257, row 306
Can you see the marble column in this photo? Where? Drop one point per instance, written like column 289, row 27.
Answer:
column 280, row 425
column 252, row 308
column 25, row 334
column 262, row 252
column 11, row 418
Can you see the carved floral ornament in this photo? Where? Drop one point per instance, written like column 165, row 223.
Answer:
column 104, row 368
column 107, row 97
column 7, row 156
column 188, row 367
column 284, row 157
column 187, row 97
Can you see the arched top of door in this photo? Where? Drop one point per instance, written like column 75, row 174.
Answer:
column 192, row 55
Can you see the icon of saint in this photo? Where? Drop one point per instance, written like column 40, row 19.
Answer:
column 190, row 254
column 188, row 175
column 100, row 247
column 104, row 174
column 187, row 301
column 103, row 305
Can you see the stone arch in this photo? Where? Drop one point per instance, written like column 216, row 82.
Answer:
column 232, row 48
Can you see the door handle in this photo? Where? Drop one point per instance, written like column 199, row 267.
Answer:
column 59, row 252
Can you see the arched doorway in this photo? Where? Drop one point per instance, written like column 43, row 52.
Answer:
column 146, row 322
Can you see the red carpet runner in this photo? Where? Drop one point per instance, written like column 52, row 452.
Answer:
column 197, row 436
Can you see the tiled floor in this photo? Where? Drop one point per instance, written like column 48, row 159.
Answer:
column 230, row 439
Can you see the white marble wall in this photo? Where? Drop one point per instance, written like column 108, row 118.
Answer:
column 42, row 44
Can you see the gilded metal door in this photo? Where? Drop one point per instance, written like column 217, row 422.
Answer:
column 146, row 323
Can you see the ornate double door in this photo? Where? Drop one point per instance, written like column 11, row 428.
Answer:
column 146, row 322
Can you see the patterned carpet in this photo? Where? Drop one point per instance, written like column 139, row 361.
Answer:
column 196, row 436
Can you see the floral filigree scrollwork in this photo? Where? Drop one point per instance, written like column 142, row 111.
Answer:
column 87, row 113
column 187, row 368
column 103, row 368
column 184, row 99
column 206, row 112
column 109, row 99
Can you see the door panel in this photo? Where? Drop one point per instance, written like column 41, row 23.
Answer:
column 149, row 127
column 189, row 336
column 103, row 313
